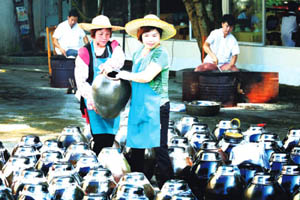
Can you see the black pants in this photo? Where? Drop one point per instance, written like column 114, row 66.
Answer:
column 101, row 141
column 164, row 165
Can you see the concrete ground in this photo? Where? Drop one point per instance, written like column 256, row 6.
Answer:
column 28, row 105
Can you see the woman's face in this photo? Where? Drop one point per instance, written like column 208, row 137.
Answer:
column 151, row 39
column 102, row 36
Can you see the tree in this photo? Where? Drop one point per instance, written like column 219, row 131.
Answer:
column 203, row 20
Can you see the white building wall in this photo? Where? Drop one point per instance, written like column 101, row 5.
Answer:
column 186, row 54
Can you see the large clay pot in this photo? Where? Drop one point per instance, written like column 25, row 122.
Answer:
column 252, row 134
column 205, row 166
column 47, row 159
column 138, row 179
column 99, row 182
column 130, row 192
column 226, row 183
column 14, row 166
column 264, row 187
column 31, row 140
column 248, row 171
column 289, row 179
column 51, row 145
column 63, row 168
column 69, row 135
column 171, row 188
column 76, row 150
column 199, row 128
column 86, row 163
column 277, row 161
column 291, row 140
column 27, row 176
column 112, row 159
column 4, row 155
column 35, row 192
column 185, row 124
column 110, row 94
column 295, row 155
column 180, row 160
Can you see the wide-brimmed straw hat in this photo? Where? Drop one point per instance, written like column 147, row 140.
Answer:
column 150, row 20
column 98, row 22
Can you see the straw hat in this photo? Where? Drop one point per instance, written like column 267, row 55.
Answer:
column 98, row 22
column 150, row 20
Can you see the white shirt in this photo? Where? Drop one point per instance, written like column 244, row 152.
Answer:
column 223, row 48
column 288, row 26
column 69, row 38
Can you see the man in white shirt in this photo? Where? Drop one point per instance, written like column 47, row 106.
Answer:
column 221, row 47
column 289, row 25
column 68, row 37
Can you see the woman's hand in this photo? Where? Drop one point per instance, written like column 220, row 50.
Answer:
column 104, row 68
column 90, row 104
column 124, row 75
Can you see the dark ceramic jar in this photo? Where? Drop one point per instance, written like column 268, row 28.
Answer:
column 14, row 166
column 197, row 139
column 62, row 169
column 180, row 160
column 277, row 161
column 291, row 140
column 185, row 124
column 263, row 187
column 51, row 145
column 69, row 135
column 4, row 155
column 197, row 127
column 28, row 176
column 110, row 94
column 248, row 171
column 47, row 159
column 253, row 133
column 86, row 163
column 76, row 150
column 295, row 155
column 171, row 188
column 35, row 192
column 130, row 192
column 205, row 166
column 289, row 179
column 226, row 183
column 31, row 140
column 138, row 179
column 118, row 165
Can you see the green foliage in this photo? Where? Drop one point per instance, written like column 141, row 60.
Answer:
column 270, row 3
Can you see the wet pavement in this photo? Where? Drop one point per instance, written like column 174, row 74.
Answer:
column 28, row 105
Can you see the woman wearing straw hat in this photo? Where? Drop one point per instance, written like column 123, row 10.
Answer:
column 149, row 108
column 101, row 55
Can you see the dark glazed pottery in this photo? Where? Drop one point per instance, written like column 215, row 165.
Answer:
column 264, row 187
column 110, row 94
column 226, row 183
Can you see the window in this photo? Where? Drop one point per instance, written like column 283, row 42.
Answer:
column 176, row 15
column 249, row 17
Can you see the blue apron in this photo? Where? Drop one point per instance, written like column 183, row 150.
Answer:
column 144, row 115
column 98, row 124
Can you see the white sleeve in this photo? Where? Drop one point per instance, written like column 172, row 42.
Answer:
column 58, row 32
column 235, row 48
column 81, row 73
column 211, row 37
column 117, row 59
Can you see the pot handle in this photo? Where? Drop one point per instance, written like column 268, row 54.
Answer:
column 112, row 75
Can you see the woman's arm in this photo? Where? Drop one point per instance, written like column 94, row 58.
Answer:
column 116, row 61
column 81, row 73
column 151, row 71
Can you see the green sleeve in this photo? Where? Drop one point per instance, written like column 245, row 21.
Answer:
column 160, row 56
